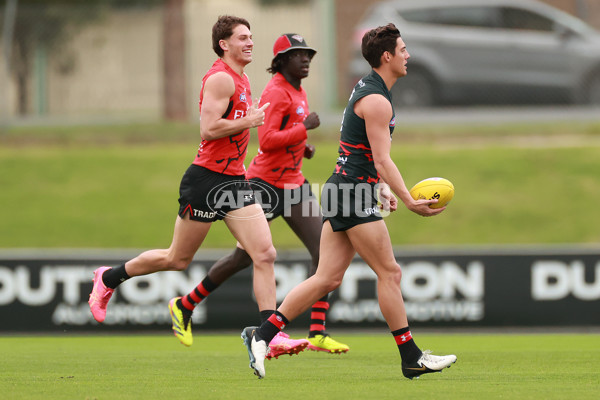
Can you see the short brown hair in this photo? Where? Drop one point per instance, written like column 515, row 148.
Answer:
column 377, row 41
column 223, row 29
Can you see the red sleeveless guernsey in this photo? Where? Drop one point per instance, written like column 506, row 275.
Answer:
column 282, row 138
column 226, row 155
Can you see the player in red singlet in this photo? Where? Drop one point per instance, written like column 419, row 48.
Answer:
column 276, row 177
column 214, row 187
column 226, row 155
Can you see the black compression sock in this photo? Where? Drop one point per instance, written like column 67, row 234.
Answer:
column 115, row 276
column 409, row 351
column 272, row 326
column 265, row 314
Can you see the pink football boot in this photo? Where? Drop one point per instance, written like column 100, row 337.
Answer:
column 100, row 296
column 282, row 344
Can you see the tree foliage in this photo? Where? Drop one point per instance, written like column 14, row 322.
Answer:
column 48, row 25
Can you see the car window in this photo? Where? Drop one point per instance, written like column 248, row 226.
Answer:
column 485, row 17
column 514, row 18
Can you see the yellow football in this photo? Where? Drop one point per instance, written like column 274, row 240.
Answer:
column 434, row 188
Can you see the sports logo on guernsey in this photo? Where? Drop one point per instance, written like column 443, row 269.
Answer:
column 243, row 97
column 300, row 110
column 393, row 122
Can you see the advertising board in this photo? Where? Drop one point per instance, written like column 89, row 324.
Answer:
column 441, row 288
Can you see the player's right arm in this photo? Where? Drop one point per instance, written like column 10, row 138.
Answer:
column 377, row 112
column 218, row 89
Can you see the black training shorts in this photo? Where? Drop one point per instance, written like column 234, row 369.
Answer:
column 347, row 202
column 208, row 196
column 276, row 201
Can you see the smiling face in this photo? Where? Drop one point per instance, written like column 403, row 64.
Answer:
column 238, row 47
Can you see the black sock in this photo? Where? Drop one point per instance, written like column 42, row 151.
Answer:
column 114, row 277
column 272, row 326
column 409, row 351
column 264, row 315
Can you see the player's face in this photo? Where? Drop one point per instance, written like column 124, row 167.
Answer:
column 239, row 46
column 400, row 59
column 298, row 63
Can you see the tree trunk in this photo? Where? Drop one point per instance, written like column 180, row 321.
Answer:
column 174, row 77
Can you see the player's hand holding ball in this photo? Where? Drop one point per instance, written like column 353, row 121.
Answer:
column 439, row 189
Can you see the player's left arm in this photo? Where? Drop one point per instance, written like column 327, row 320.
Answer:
column 271, row 136
column 311, row 121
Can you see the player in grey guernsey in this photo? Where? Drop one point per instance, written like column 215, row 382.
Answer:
column 351, row 191
column 355, row 155
column 352, row 221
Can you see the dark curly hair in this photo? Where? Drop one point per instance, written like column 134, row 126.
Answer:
column 278, row 63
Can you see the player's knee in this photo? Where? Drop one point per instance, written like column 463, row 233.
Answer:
column 265, row 256
column 395, row 274
column 331, row 283
column 271, row 255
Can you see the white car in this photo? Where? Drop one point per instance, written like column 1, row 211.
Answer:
column 480, row 51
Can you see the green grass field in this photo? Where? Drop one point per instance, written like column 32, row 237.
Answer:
column 117, row 186
column 502, row 366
